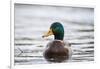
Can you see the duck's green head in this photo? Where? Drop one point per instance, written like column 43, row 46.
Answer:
column 57, row 30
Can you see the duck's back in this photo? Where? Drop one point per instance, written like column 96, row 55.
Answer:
column 56, row 52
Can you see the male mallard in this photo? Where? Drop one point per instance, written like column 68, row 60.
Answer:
column 57, row 50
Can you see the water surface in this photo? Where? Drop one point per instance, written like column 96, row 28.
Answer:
column 31, row 21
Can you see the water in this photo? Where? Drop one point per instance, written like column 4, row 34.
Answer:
column 31, row 21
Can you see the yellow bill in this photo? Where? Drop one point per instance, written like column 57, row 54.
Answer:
column 48, row 33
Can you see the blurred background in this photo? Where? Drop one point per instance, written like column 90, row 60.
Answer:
column 32, row 21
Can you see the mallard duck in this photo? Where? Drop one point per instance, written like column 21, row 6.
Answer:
column 57, row 50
